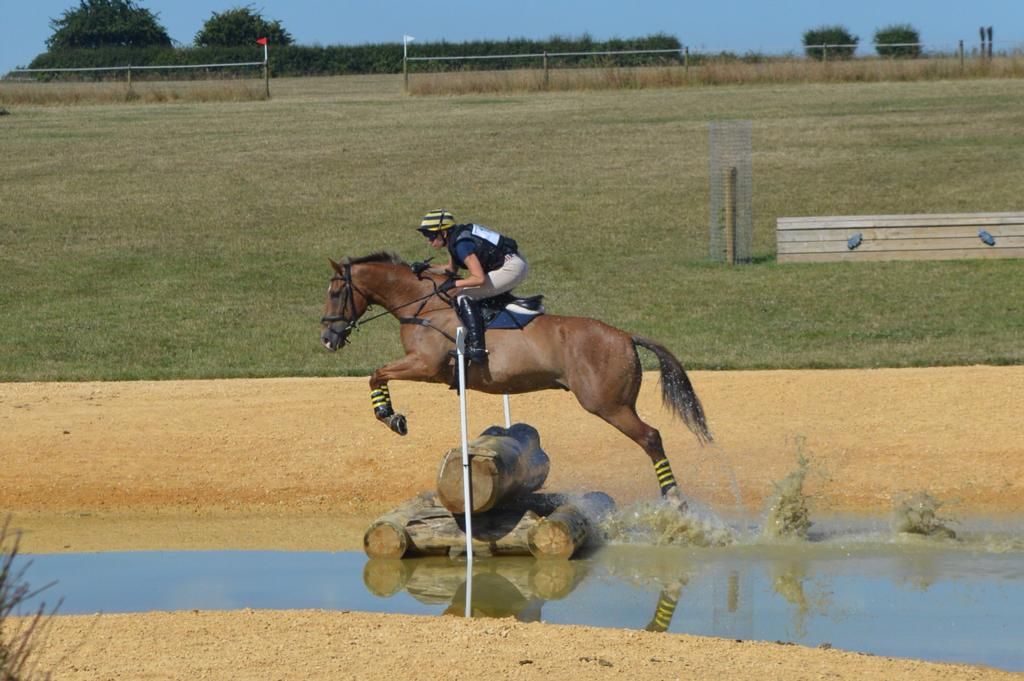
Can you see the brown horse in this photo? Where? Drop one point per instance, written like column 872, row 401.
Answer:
column 597, row 362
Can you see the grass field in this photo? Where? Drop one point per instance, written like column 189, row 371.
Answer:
column 190, row 239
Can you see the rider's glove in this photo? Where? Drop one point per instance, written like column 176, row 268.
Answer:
column 446, row 285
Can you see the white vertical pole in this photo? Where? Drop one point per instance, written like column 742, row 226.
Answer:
column 508, row 411
column 406, row 39
column 467, row 501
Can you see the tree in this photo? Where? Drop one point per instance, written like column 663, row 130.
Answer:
column 240, row 26
column 898, row 40
column 841, row 44
column 102, row 23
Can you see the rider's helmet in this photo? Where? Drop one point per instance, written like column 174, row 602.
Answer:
column 436, row 221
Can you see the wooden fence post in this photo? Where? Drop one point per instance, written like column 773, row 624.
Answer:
column 731, row 174
column 960, row 51
column 546, row 82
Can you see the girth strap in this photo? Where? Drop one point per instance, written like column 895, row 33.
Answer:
column 424, row 321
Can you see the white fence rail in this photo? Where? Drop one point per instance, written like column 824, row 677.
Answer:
column 128, row 69
column 682, row 52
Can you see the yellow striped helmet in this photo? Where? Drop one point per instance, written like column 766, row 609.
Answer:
column 436, row 221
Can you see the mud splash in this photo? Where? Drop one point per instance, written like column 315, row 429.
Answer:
column 788, row 515
column 919, row 515
column 663, row 524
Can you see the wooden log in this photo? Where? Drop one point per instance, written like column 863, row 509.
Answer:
column 503, row 463
column 569, row 527
column 386, row 537
column 424, row 527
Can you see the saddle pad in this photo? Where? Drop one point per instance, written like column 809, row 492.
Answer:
column 510, row 320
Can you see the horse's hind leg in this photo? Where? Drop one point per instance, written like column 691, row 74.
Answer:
column 628, row 422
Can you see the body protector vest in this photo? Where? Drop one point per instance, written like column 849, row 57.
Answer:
column 489, row 246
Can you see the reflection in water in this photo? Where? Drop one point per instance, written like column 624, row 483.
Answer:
column 668, row 599
column 881, row 594
column 911, row 600
column 502, row 587
column 790, row 580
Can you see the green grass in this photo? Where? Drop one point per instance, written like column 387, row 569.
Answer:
column 189, row 239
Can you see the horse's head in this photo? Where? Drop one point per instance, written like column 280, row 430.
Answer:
column 344, row 305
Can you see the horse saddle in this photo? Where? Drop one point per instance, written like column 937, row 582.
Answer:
column 507, row 311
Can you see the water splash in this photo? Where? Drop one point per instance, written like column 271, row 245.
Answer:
column 663, row 524
column 919, row 515
column 788, row 515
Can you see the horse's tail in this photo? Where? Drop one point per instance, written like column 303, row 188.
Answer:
column 677, row 392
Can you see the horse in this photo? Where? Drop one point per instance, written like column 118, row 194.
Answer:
column 598, row 363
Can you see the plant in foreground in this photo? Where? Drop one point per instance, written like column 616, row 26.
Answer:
column 17, row 639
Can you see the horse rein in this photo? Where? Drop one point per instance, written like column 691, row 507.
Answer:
column 349, row 302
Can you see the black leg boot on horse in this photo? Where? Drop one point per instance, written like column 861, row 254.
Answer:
column 472, row 318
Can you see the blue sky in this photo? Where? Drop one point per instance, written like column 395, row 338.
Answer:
column 759, row 26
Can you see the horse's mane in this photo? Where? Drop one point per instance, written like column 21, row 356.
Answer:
column 379, row 256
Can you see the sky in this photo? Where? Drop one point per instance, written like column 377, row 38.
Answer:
column 766, row 26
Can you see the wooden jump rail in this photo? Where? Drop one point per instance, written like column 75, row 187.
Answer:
column 900, row 237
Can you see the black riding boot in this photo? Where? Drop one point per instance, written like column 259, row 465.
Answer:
column 472, row 319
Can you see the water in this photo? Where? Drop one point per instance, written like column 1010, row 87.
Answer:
column 856, row 585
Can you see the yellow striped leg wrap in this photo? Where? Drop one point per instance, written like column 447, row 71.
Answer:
column 663, row 615
column 664, row 472
column 381, row 401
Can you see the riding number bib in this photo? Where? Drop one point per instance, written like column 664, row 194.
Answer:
column 488, row 235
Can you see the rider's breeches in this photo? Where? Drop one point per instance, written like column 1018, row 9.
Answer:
column 381, row 400
column 511, row 274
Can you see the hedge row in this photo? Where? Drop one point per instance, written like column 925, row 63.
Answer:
column 371, row 58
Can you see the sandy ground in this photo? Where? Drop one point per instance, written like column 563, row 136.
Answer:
column 301, row 464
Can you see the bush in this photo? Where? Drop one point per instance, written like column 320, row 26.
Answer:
column 841, row 44
column 99, row 23
column 898, row 41
column 16, row 646
column 240, row 26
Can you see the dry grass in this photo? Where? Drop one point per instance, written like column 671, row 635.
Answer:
column 715, row 72
column 191, row 239
column 28, row 93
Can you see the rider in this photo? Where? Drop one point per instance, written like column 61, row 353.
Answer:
column 494, row 263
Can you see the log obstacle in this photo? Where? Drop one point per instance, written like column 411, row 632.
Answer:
column 503, row 463
column 510, row 517
column 866, row 238
column 567, row 528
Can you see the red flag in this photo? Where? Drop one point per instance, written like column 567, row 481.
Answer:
column 261, row 41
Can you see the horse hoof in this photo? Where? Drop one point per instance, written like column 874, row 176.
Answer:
column 396, row 422
column 674, row 498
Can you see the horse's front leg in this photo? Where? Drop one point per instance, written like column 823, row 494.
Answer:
column 409, row 368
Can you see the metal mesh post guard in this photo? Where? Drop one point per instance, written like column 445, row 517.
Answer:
column 730, row 172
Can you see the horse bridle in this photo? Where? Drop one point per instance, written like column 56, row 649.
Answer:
column 352, row 324
column 348, row 302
